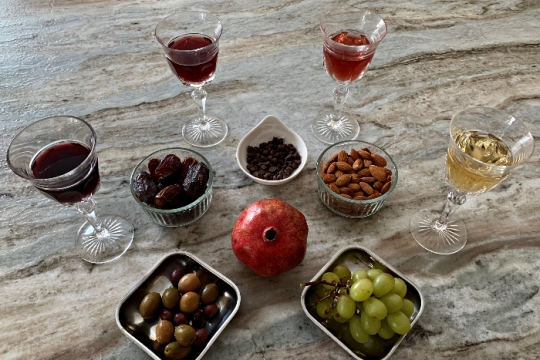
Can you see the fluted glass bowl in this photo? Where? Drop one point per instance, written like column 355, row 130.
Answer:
column 184, row 215
column 349, row 207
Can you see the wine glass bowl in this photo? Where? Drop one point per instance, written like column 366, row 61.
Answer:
column 58, row 156
column 486, row 145
column 350, row 40
column 190, row 41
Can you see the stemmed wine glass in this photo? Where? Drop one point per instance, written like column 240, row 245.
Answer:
column 350, row 40
column 57, row 155
column 190, row 40
column 486, row 144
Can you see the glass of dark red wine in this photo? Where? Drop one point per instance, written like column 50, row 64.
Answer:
column 190, row 41
column 351, row 37
column 58, row 156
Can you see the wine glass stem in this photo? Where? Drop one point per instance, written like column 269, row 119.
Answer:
column 199, row 96
column 340, row 95
column 87, row 209
column 454, row 200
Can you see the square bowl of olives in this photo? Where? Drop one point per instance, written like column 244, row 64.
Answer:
column 173, row 186
column 179, row 308
column 362, row 303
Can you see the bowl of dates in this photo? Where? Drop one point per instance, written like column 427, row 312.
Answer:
column 179, row 308
column 173, row 186
column 364, row 304
column 355, row 178
column 271, row 153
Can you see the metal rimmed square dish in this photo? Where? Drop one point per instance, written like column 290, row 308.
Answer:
column 356, row 257
column 142, row 332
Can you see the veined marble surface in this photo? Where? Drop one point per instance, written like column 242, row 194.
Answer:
column 99, row 60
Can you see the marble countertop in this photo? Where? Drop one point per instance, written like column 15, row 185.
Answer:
column 99, row 60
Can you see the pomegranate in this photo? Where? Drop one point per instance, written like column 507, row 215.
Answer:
column 270, row 237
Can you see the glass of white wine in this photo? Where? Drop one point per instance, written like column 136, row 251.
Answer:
column 486, row 144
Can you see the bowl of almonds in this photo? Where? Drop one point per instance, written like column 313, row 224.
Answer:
column 355, row 178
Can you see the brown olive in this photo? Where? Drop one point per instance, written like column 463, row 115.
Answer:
column 189, row 302
column 209, row 293
column 170, row 298
column 205, row 276
column 185, row 335
column 189, row 282
column 164, row 331
column 149, row 306
column 175, row 351
column 210, row 310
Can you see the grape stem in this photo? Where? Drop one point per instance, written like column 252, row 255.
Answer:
column 334, row 293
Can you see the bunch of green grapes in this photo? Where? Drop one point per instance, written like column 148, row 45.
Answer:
column 372, row 302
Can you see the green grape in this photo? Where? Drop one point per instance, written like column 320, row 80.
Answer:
column 370, row 325
column 399, row 322
column 324, row 308
column 383, row 284
column 373, row 273
column 331, row 278
column 361, row 289
column 337, row 317
column 393, row 302
column 385, row 331
column 359, row 274
column 357, row 333
column 375, row 308
column 400, row 287
column 346, row 306
column 343, row 273
column 407, row 308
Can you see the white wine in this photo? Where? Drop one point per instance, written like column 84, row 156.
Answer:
column 477, row 176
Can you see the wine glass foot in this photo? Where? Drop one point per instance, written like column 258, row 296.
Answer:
column 442, row 239
column 110, row 244
column 205, row 133
column 330, row 129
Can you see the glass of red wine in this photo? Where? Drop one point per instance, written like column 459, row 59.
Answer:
column 351, row 37
column 58, row 156
column 190, row 41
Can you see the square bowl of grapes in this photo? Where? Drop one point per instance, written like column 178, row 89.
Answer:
column 363, row 303
column 179, row 308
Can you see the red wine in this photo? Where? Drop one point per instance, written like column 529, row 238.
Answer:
column 60, row 159
column 346, row 66
column 188, row 67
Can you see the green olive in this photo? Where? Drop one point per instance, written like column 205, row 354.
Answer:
column 170, row 298
column 164, row 331
column 185, row 335
column 175, row 351
column 209, row 293
column 189, row 302
column 205, row 276
column 189, row 282
column 149, row 306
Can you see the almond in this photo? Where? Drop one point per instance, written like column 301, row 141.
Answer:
column 358, row 164
column 368, row 179
column 362, row 173
column 344, row 166
column 389, row 178
column 342, row 156
column 378, row 185
column 378, row 172
column 346, row 196
column 338, row 173
column 388, row 171
column 367, row 188
column 365, row 154
column 386, row 187
column 355, row 178
column 343, row 180
column 367, row 163
column 378, row 160
column 345, row 190
column 354, row 154
column 350, row 160
column 373, row 196
column 358, row 193
column 360, row 197
column 331, row 168
column 354, row 187
column 334, row 188
column 334, row 158
column 329, row 178
column 326, row 166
